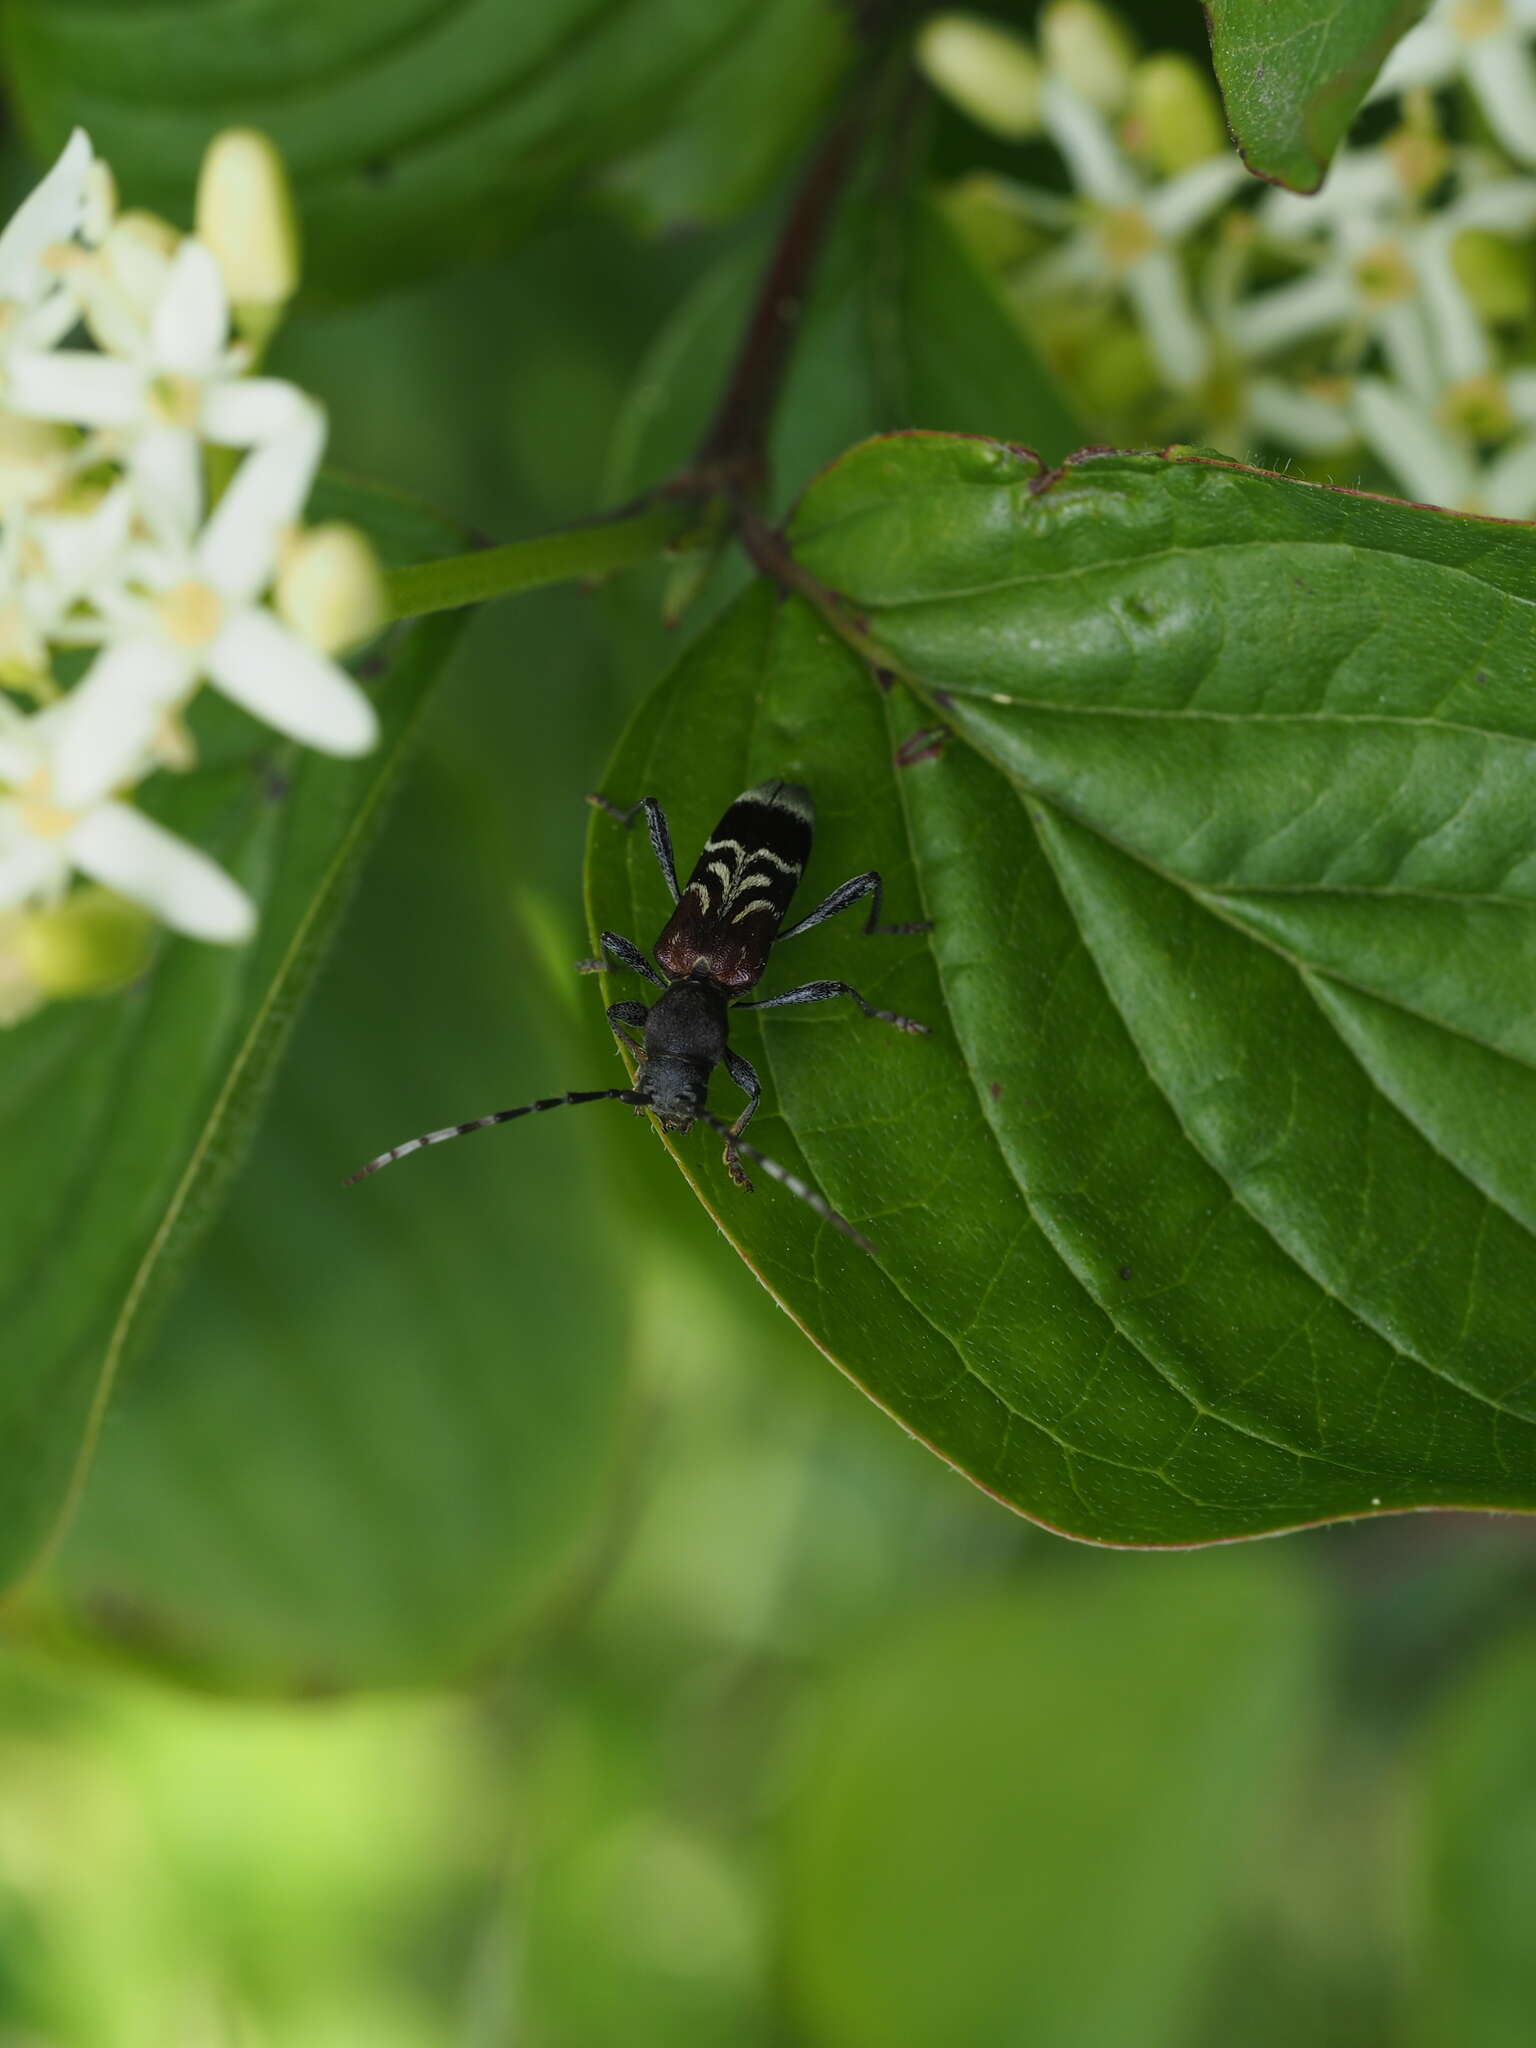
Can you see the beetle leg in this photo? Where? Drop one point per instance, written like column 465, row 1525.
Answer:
column 823, row 991
column 744, row 1074
column 850, row 892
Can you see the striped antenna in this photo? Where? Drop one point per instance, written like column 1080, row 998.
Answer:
column 791, row 1181
column 501, row 1116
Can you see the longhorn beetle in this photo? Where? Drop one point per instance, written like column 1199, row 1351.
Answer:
column 712, row 950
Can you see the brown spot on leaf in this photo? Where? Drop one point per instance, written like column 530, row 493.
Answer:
column 926, row 744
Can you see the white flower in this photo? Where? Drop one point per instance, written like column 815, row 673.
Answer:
column 166, row 392
column 1383, row 273
column 1294, row 416
column 1485, row 42
column 49, row 561
column 44, row 842
column 1504, row 206
column 1133, row 235
column 190, row 609
column 39, row 309
column 1438, row 465
column 119, row 372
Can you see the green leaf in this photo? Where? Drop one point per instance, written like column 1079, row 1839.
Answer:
column 953, row 354
column 123, row 1119
column 418, row 136
column 373, row 1437
column 1025, row 1818
column 1473, row 1845
column 741, row 120
column 1294, row 72
column 1207, row 1208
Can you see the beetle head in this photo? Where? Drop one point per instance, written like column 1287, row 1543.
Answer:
column 675, row 1086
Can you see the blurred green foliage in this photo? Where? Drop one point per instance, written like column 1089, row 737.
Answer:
column 772, row 1730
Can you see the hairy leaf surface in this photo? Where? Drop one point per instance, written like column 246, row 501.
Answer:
column 1208, row 1206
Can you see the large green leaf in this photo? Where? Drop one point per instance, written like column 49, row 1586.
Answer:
column 373, row 1435
column 741, row 118
column 1208, row 1206
column 123, row 1119
column 1473, row 1840
column 1024, row 1818
column 1293, row 74
column 418, row 135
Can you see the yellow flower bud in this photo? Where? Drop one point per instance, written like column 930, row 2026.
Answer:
column 245, row 215
column 330, row 587
column 1091, row 49
column 988, row 72
column 1495, row 274
column 1173, row 120
column 90, row 943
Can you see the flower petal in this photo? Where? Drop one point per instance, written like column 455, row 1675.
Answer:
column 1461, row 341
column 1082, row 135
column 108, row 719
column 237, row 551
column 79, row 550
column 47, row 322
column 1508, row 488
column 1297, row 418
column 1507, row 206
column 273, row 674
column 191, row 317
column 244, row 411
column 165, row 470
column 19, row 751
column 1276, row 318
column 1361, row 183
column 1178, row 207
column 29, row 867
column 1156, row 289
column 50, row 213
column 1403, row 331
column 1428, row 55
column 1502, row 75
column 1428, row 463
column 71, row 384
column 118, row 845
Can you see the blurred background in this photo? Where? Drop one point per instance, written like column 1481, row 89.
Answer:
column 491, row 1621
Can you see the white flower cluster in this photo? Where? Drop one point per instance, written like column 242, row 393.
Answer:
column 1373, row 316
column 127, row 397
